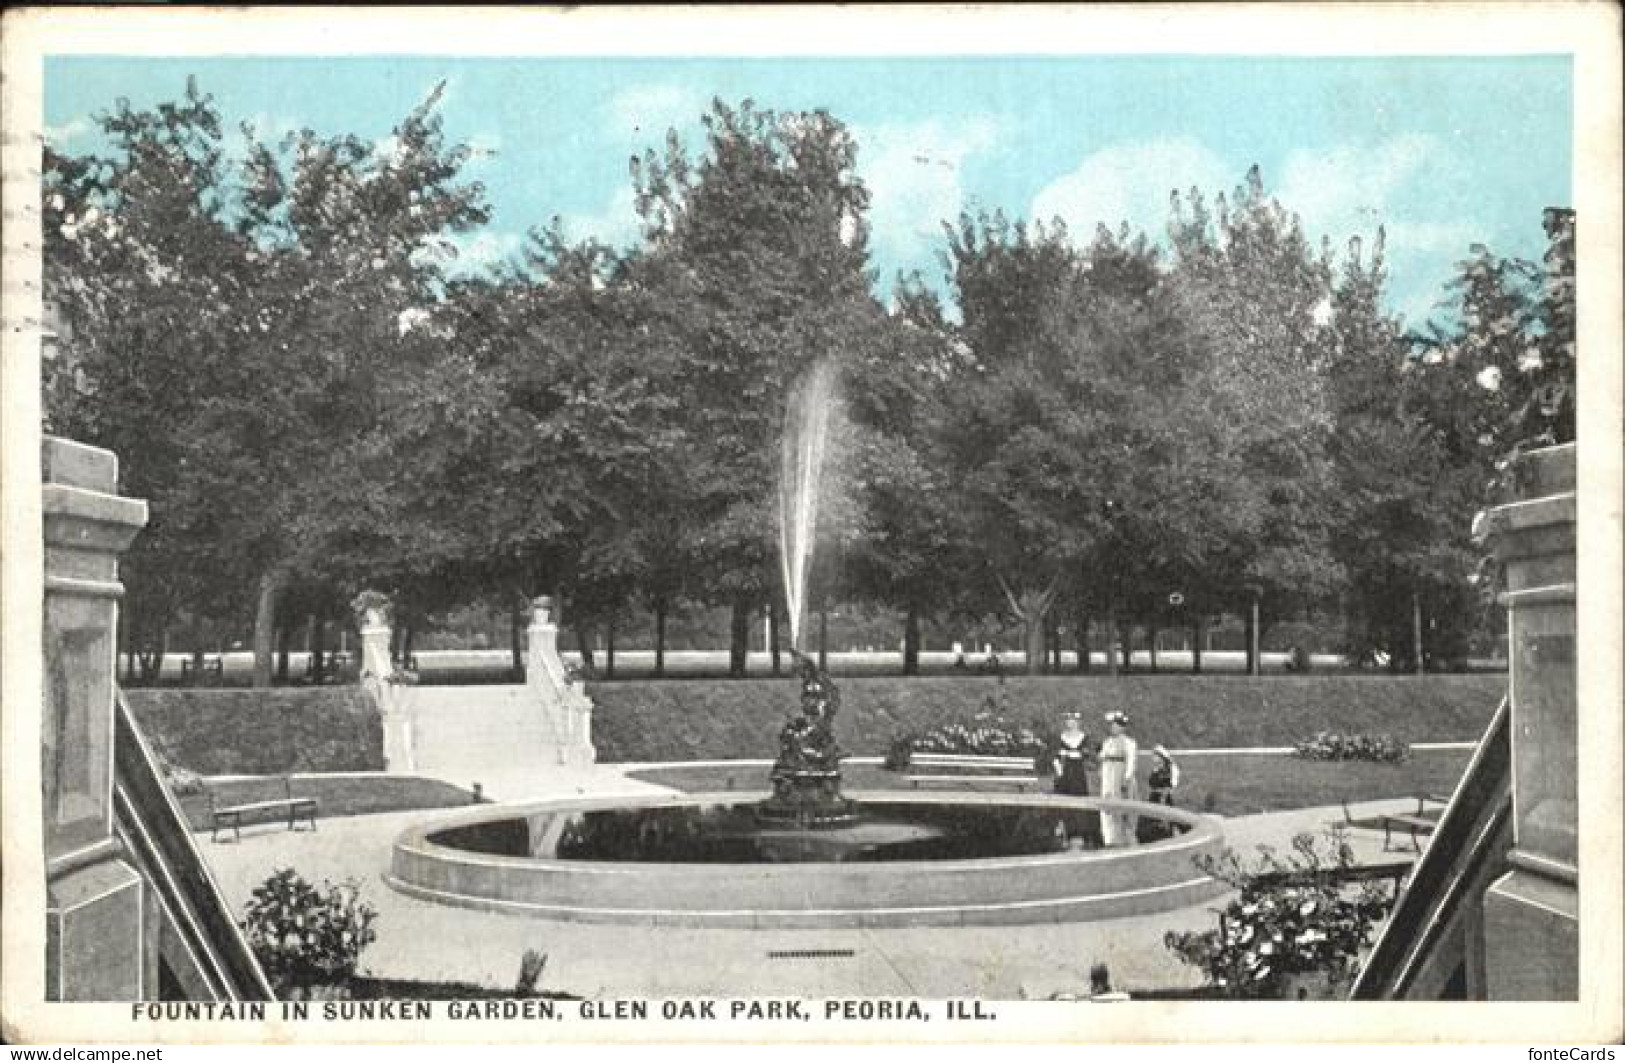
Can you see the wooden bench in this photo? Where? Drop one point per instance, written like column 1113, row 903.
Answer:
column 968, row 767
column 295, row 808
column 213, row 670
column 1394, row 871
column 1415, row 825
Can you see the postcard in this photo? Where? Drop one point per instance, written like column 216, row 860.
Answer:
column 812, row 524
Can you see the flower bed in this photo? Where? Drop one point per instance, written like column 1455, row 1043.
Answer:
column 1328, row 745
column 987, row 734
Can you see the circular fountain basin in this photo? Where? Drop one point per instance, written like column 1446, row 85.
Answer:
column 948, row 859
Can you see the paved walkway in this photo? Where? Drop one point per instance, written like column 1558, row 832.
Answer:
column 421, row 940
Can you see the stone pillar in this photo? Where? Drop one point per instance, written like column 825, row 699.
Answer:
column 372, row 611
column 1531, row 914
column 564, row 704
column 94, row 902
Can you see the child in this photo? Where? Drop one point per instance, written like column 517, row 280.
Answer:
column 1164, row 777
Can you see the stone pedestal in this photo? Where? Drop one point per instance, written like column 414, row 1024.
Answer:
column 94, row 947
column 565, row 706
column 1531, row 914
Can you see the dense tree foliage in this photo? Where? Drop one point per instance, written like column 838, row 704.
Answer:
column 1113, row 430
column 758, row 251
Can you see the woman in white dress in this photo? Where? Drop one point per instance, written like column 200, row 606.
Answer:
column 1118, row 757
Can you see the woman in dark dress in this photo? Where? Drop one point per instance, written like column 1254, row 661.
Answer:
column 1072, row 759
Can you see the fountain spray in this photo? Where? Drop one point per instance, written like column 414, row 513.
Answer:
column 806, row 429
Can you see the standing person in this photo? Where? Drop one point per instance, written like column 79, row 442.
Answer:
column 1071, row 760
column 1164, row 777
column 1118, row 757
column 1100, row 986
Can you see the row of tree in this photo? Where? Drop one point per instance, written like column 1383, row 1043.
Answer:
column 1091, row 431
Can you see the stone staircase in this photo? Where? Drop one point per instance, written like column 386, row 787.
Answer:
column 469, row 734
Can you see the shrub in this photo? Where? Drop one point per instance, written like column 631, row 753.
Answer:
column 531, row 965
column 1292, row 917
column 1328, row 745
column 183, row 782
column 305, row 937
column 900, row 753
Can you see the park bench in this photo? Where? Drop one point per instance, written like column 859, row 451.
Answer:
column 212, row 669
column 1415, row 824
column 968, row 767
column 295, row 808
column 335, row 666
column 1395, row 871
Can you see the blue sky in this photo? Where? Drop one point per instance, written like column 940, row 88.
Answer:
column 1444, row 152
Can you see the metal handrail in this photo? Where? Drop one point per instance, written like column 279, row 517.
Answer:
column 1460, row 845
column 158, row 831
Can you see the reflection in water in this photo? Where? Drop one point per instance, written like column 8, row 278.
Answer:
column 732, row 834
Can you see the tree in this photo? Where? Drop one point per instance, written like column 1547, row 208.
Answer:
column 1426, row 421
column 757, row 252
column 352, row 247
column 152, row 288
column 1261, row 300
column 231, row 327
column 1072, row 434
column 1403, row 475
column 894, row 545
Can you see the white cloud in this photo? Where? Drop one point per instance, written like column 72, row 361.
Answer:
column 1350, row 189
column 1433, row 238
column 271, row 128
column 59, row 136
column 617, row 224
column 1421, row 256
column 1132, row 182
column 640, row 115
column 914, row 175
column 482, row 250
column 387, row 149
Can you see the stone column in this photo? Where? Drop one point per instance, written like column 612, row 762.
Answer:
column 94, row 903
column 1531, row 914
column 564, row 704
column 372, row 611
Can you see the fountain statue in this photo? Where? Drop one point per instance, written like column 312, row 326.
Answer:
column 807, row 775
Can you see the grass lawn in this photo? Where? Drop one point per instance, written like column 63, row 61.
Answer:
column 692, row 719
column 339, row 795
column 1230, row 784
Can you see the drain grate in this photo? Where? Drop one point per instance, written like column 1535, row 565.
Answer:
column 811, row 954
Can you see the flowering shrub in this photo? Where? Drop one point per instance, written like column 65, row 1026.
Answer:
column 305, row 937
column 1327, row 745
column 1292, row 917
column 183, row 782
column 986, row 734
